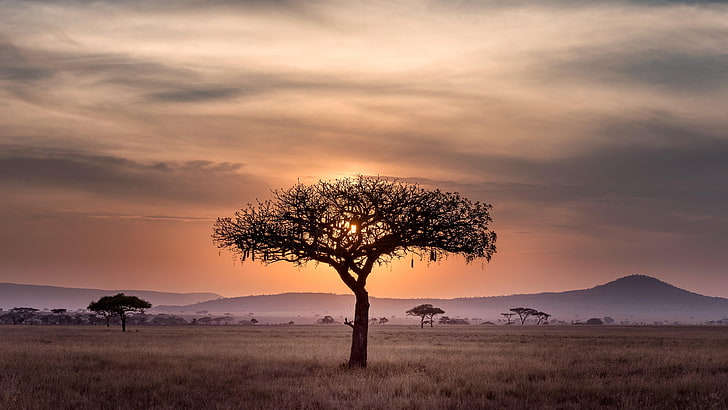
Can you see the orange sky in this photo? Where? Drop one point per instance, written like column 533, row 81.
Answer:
column 593, row 128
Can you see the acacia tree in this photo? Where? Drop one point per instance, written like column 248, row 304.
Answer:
column 118, row 305
column 426, row 313
column 523, row 313
column 542, row 317
column 353, row 225
column 103, row 307
column 508, row 316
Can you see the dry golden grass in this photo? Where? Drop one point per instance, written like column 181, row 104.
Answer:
column 48, row 367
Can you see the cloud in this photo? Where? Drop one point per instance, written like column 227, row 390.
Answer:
column 657, row 174
column 184, row 95
column 190, row 182
column 685, row 72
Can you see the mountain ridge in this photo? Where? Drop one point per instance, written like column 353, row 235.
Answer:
column 631, row 298
column 42, row 296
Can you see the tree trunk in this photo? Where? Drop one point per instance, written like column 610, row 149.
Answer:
column 358, row 357
column 123, row 323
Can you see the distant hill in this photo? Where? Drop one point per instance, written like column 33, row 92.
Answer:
column 52, row 297
column 635, row 299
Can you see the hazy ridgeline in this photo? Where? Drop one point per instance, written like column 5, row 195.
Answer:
column 53, row 367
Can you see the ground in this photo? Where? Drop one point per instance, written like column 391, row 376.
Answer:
column 231, row 367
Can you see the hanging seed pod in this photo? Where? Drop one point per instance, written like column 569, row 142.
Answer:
column 433, row 255
column 412, row 262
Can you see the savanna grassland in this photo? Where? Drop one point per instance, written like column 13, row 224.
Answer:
column 284, row 367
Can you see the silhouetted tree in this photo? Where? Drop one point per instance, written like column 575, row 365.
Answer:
column 104, row 311
column 426, row 313
column 509, row 317
column 541, row 317
column 383, row 320
column 120, row 305
column 594, row 321
column 327, row 320
column 353, row 225
column 524, row 313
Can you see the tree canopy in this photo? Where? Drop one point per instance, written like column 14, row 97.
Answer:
column 426, row 312
column 354, row 224
column 120, row 305
column 523, row 313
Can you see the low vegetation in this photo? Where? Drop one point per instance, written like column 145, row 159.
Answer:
column 92, row 367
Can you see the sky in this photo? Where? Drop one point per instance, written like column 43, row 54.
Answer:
column 596, row 129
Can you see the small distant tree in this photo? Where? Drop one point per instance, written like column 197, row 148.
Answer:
column 524, row 313
column 426, row 312
column 608, row 320
column 119, row 305
column 327, row 320
column 383, row 320
column 509, row 317
column 542, row 318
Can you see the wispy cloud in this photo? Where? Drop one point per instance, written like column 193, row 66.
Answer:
column 121, row 178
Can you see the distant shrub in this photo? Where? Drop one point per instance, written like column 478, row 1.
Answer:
column 326, row 320
column 595, row 321
column 453, row 321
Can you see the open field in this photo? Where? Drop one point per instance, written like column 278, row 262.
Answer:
column 222, row 367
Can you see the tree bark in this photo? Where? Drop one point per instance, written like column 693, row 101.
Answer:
column 123, row 322
column 358, row 356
